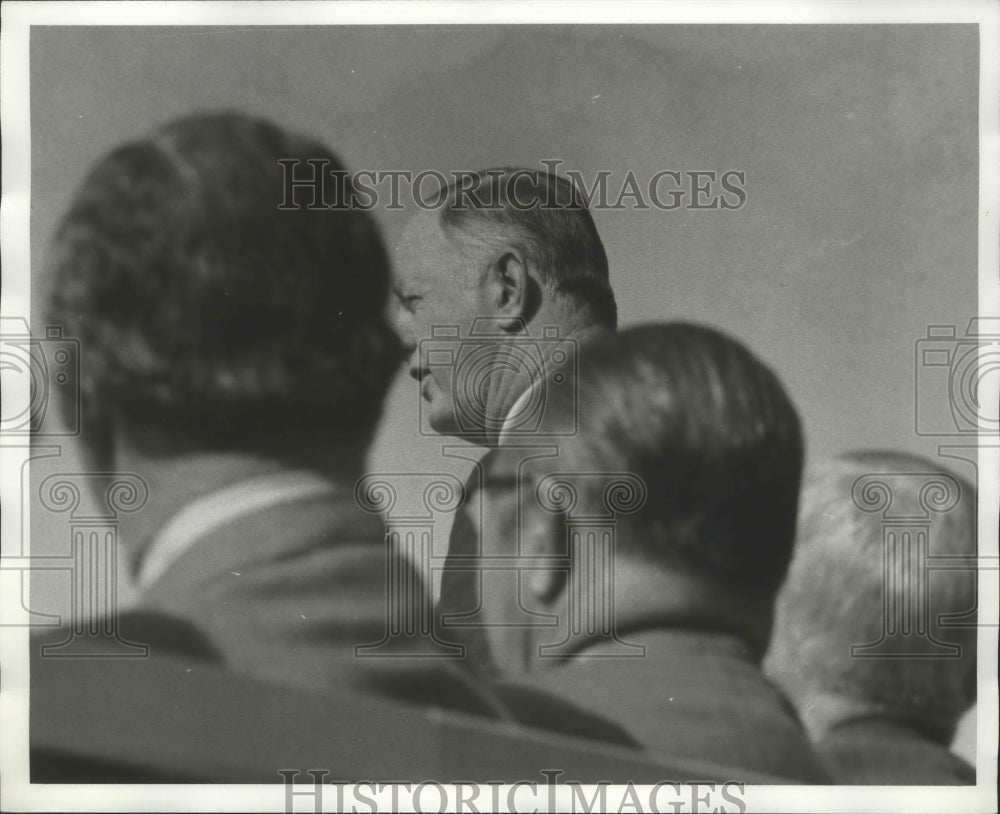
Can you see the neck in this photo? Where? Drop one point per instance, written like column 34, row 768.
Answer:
column 648, row 597
column 651, row 594
column 509, row 383
column 174, row 481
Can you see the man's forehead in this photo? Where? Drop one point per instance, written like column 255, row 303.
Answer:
column 421, row 246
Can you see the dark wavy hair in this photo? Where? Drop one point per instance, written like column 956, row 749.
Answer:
column 715, row 438
column 205, row 313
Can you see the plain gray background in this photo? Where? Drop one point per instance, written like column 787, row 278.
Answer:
column 859, row 145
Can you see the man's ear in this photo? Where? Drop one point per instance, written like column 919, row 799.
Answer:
column 509, row 287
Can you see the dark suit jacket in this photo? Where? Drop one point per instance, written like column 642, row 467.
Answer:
column 461, row 589
column 877, row 752
column 284, row 596
column 696, row 693
column 171, row 719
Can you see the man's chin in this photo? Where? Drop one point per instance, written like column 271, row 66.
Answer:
column 441, row 416
column 442, row 421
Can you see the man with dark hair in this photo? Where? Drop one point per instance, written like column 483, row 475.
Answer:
column 509, row 268
column 656, row 542
column 862, row 641
column 236, row 357
column 212, row 319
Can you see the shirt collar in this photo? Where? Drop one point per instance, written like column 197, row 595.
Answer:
column 219, row 508
column 519, row 405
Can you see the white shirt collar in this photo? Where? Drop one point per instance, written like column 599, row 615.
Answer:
column 217, row 509
column 519, row 405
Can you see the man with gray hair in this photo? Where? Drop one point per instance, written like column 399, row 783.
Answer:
column 501, row 280
column 862, row 642
column 498, row 261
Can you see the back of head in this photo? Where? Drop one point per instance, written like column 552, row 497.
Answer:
column 716, row 440
column 549, row 219
column 209, row 317
column 841, row 591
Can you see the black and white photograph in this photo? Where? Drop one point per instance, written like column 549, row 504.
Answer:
column 455, row 406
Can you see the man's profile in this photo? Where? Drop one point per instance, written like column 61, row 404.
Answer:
column 514, row 254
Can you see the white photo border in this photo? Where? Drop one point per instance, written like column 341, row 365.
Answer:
column 17, row 794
